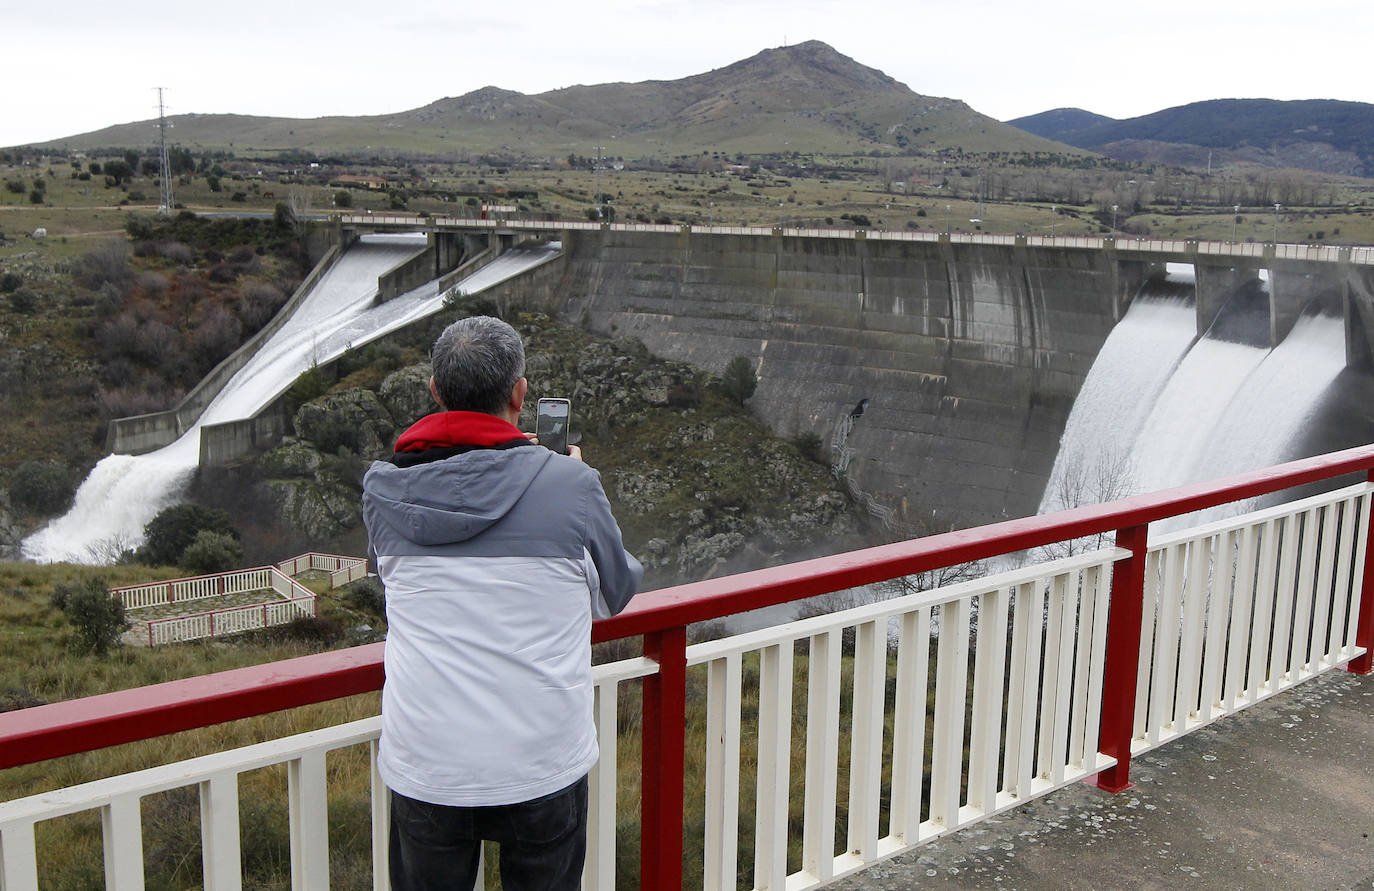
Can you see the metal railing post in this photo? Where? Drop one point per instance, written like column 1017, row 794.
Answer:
column 1364, row 624
column 663, row 757
column 1123, row 659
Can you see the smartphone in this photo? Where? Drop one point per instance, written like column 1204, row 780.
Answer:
column 551, row 424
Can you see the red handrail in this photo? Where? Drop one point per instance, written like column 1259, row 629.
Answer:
column 661, row 616
column 64, row 728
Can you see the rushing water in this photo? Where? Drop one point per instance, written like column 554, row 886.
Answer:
column 123, row 492
column 1162, row 408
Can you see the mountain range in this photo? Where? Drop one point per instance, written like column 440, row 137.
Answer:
column 1317, row 134
column 807, row 98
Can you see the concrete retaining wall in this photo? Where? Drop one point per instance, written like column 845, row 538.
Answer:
column 222, row 443
column 970, row 355
column 410, row 274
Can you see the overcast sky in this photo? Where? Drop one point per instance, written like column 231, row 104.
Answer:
column 74, row 66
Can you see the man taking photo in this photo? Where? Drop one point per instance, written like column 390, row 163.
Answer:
column 496, row 556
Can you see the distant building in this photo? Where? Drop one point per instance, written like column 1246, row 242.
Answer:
column 356, row 180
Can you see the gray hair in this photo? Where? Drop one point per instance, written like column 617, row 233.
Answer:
column 477, row 362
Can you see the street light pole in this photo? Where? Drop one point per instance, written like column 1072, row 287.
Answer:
column 1235, row 219
column 1114, row 218
column 1276, row 222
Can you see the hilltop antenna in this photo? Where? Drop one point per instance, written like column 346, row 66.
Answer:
column 165, row 204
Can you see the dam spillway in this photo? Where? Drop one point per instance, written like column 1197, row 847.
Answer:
column 967, row 353
column 970, row 355
column 125, row 491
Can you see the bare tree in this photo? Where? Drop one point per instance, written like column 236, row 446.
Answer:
column 1084, row 479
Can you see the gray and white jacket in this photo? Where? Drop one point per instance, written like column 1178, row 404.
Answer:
column 495, row 562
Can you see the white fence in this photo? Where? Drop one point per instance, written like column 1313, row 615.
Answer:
column 1234, row 612
column 342, row 570
column 1240, row 610
column 196, row 588
column 229, row 620
column 290, row 600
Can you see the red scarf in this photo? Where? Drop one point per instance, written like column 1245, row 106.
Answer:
column 447, row 429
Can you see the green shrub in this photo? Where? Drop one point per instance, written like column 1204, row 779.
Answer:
column 325, row 631
column 41, row 487
column 366, row 594
column 23, row 300
column 212, row 552
column 738, row 382
column 97, row 618
column 310, row 384
column 172, row 531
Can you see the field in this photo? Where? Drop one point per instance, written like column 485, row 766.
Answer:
column 822, row 191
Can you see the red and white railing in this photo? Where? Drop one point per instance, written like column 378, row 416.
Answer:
column 1059, row 669
column 287, row 599
column 341, row 569
column 238, row 581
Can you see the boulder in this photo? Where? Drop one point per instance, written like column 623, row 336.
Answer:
column 294, row 457
column 316, row 510
column 353, row 419
column 405, row 394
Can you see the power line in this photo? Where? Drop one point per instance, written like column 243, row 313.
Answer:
column 165, row 204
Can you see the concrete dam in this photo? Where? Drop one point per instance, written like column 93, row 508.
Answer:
column 940, row 371
column 952, row 367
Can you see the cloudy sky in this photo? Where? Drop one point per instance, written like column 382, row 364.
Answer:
column 74, row 66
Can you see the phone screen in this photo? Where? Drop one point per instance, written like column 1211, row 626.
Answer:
column 551, row 424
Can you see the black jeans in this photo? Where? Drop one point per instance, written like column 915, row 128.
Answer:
column 543, row 841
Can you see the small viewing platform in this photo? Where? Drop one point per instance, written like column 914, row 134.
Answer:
column 229, row 602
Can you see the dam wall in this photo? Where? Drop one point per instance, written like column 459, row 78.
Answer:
column 969, row 355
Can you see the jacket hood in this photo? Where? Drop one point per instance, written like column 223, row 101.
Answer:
column 459, row 497
column 454, row 499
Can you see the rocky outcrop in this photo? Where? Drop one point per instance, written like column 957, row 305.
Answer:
column 354, row 419
column 405, row 395
column 699, row 485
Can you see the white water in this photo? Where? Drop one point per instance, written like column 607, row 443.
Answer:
column 1181, row 423
column 123, row 492
column 1143, row 350
column 1265, row 422
column 1224, row 408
